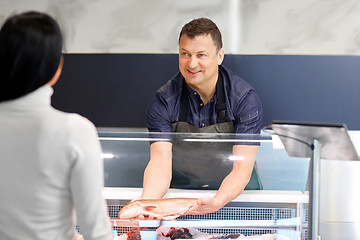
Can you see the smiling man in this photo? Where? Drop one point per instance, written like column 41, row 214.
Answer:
column 204, row 97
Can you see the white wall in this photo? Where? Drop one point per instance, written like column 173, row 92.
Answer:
column 330, row 27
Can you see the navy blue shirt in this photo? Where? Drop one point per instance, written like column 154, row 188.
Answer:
column 243, row 105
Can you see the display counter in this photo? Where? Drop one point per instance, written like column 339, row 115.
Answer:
column 263, row 214
column 277, row 210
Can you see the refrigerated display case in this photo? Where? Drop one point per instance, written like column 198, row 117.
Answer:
column 276, row 211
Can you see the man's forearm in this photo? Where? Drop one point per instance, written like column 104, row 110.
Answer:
column 235, row 182
column 231, row 187
column 156, row 181
column 157, row 175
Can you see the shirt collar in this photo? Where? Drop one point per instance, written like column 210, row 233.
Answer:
column 41, row 96
column 193, row 92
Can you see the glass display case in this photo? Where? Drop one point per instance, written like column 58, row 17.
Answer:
column 274, row 207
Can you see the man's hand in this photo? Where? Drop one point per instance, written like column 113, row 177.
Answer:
column 205, row 205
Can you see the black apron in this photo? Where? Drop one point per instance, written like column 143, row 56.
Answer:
column 203, row 165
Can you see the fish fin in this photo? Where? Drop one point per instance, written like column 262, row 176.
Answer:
column 149, row 208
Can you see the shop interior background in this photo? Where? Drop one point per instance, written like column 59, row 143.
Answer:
column 302, row 57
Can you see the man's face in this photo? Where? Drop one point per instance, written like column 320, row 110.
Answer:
column 199, row 60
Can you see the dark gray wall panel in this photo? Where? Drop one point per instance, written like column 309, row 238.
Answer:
column 113, row 90
column 305, row 88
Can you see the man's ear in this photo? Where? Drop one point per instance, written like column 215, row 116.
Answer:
column 220, row 56
column 57, row 74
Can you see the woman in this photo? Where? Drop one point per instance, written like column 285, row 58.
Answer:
column 50, row 162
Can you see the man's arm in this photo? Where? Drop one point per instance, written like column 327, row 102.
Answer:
column 247, row 120
column 157, row 175
column 233, row 184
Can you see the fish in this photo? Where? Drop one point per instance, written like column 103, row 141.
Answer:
column 165, row 209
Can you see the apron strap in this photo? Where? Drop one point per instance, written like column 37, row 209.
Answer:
column 184, row 104
column 220, row 106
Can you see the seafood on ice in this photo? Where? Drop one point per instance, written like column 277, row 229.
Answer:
column 166, row 209
column 171, row 233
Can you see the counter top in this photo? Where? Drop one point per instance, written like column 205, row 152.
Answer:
column 247, row 196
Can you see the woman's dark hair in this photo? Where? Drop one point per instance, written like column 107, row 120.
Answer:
column 202, row 26
column 30, row 52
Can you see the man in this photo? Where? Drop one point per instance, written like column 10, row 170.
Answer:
column 50, row 164
column 203, row 97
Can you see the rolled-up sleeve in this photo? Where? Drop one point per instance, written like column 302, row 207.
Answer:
column 158, row 118
column 249, row 114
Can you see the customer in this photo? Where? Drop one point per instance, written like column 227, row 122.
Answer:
column 50, row 161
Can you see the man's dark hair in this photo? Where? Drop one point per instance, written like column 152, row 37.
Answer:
column 202, row 26
column 30, row 52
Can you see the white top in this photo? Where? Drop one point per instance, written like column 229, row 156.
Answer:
column 50, row 163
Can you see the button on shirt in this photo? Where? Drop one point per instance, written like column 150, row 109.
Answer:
column 243, row 105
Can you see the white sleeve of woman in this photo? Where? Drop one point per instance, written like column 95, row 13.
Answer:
column 87, row 180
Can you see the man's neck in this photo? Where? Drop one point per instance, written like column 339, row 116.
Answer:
column 207, row 94
column 207, row 90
